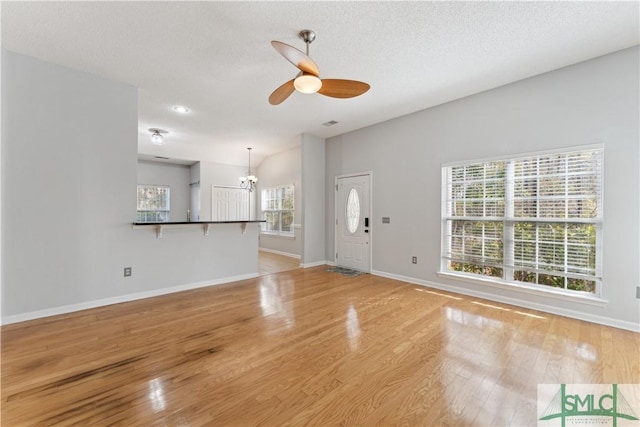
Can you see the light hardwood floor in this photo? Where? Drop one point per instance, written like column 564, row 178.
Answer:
column 269, row 263
column 302, row 347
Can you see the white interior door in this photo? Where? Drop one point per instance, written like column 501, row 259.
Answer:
column 353, row 248
column 229, row 204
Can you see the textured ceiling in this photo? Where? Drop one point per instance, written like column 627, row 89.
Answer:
column 215, row 58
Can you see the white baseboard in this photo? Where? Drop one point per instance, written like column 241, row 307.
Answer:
column 314, row 264
column 630, row 326
column 593, row 318
column 120, row 299
column 273, row 251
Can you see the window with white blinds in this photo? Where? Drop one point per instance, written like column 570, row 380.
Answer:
column 278, row 209
column 153, row 203
column 533, row 220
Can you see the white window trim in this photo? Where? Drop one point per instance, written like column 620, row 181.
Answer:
column 290, row 235
column 167, row 211
column 524, row 288
column 278, row 235
column 596, row 299
column 597, row 146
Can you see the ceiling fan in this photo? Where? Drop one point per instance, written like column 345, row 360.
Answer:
column 308, row 79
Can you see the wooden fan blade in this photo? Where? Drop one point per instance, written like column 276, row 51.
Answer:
column 296, row 57
column 282, row 93
column 338, row 88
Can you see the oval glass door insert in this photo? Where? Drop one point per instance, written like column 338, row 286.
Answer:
column 353, row 211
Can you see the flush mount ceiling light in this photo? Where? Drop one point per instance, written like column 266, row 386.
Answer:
column 156, row 136
column 181, row 109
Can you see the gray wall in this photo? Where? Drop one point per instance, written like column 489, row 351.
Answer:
column 69, row 173
column 594, row 101
column 282, row 169
column 172, row 175
column 313, row 200
column 222, row 175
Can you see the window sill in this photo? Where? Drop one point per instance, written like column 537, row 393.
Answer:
column 522, row 288
column 280, row 236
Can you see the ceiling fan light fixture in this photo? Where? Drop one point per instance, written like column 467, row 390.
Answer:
column 307, row 83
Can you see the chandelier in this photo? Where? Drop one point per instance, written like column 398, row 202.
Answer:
column 249, row 182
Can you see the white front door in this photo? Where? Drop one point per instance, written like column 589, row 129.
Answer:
column 353, row 249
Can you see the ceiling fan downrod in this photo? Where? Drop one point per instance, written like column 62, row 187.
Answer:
column 307, row 36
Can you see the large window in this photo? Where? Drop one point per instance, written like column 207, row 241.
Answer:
column 153, row 203
column 277, row 210
column 533, row 220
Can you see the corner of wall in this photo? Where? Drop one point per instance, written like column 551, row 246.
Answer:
column 313, row 204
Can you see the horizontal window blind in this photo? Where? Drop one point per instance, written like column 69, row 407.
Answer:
column 278, row 209
column 154, row 203
column 535, row 219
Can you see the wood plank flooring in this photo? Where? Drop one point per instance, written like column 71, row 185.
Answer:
column 269, row 263
column 302, row 347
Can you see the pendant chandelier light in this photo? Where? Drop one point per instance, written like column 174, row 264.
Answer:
column 249, row 182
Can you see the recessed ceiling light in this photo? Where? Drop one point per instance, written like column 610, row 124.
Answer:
column 330, row 123
column 180, row 109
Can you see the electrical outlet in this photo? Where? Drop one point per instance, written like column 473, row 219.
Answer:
column 638, row 292
column 386, row 220
column 127, row 271
column 414, row 260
